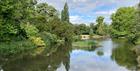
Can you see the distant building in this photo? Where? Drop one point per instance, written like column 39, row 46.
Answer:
column 85, row 37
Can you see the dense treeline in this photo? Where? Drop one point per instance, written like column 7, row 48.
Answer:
column 28, row 24
column 24, row 19
column 98, row 28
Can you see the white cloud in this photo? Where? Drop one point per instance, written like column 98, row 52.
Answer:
column 79, row 1
column 109, row 12
column 78, row 19
column 81, row 9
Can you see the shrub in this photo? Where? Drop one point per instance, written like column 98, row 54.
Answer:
column 48, row 37
column 37, row 41
column 30, row 30
column 13, row 48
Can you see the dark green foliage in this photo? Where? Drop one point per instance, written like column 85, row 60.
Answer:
column 100, row 25
column 37, row 23
column 65, row 13
column 44, row 15
column 81, row 29
column 12, row 14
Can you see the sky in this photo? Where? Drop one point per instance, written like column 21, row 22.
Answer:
column 86, row 11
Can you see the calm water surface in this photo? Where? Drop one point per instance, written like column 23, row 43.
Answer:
column 113, row 55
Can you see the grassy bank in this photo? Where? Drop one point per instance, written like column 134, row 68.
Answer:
column 85, row 43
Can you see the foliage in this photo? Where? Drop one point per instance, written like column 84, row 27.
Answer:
column 85, row 43
column 12, row 14
column 93, row 27
column 136, row 28
column 123, row 22
column 76, row 38
column 37, row 41
column 29, row 29
column 65, row 13
column 38, row 23
column 81, row 29
column 91, row 33
column 45, row 13
column 48, row 38
column 13, row 48
column 100, row 26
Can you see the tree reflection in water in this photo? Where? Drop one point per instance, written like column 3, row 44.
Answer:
column 40, row 62
column 124, row 56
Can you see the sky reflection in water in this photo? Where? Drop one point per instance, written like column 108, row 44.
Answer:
column 81, row 60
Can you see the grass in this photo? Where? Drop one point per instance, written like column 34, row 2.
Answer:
column 85, row 43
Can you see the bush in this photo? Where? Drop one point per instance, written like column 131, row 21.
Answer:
column 48, row 38
column 37, row 41
column 13, row 48
column 76, row 38
column 30, row 30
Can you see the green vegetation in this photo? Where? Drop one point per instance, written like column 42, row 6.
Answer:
column 125, row 23
column 9, row 49
column 37, row 23
column 41, row 25
column 85, row 44
column 100, row 28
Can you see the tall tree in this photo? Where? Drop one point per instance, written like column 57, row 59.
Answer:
column 100, row 25
column 65, row 13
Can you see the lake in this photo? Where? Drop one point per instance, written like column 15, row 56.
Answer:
column 113, row 55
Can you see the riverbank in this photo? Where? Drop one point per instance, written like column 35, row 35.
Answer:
column 85, row 44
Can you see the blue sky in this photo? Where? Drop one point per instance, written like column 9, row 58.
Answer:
column 86, row 11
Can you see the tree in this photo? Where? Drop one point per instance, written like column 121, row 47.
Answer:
column 135, row 31
column 44, row 15
column 123, row 22
column 65, row 13
column 100, row 26
column 91, row 33
column 12, row 14
column 81, row 29
column 93, row 27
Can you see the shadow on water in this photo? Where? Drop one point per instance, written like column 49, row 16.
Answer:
column 113, row 55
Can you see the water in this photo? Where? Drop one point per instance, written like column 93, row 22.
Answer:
column 113, row 55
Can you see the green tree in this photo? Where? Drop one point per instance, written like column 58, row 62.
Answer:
column 93, row 27
column 12, row 14
column 135, row 31
column 100, row 26
column 44, row 15
column 91, row 33
column 65, row 13
column 123, row 22
column 81, row 29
